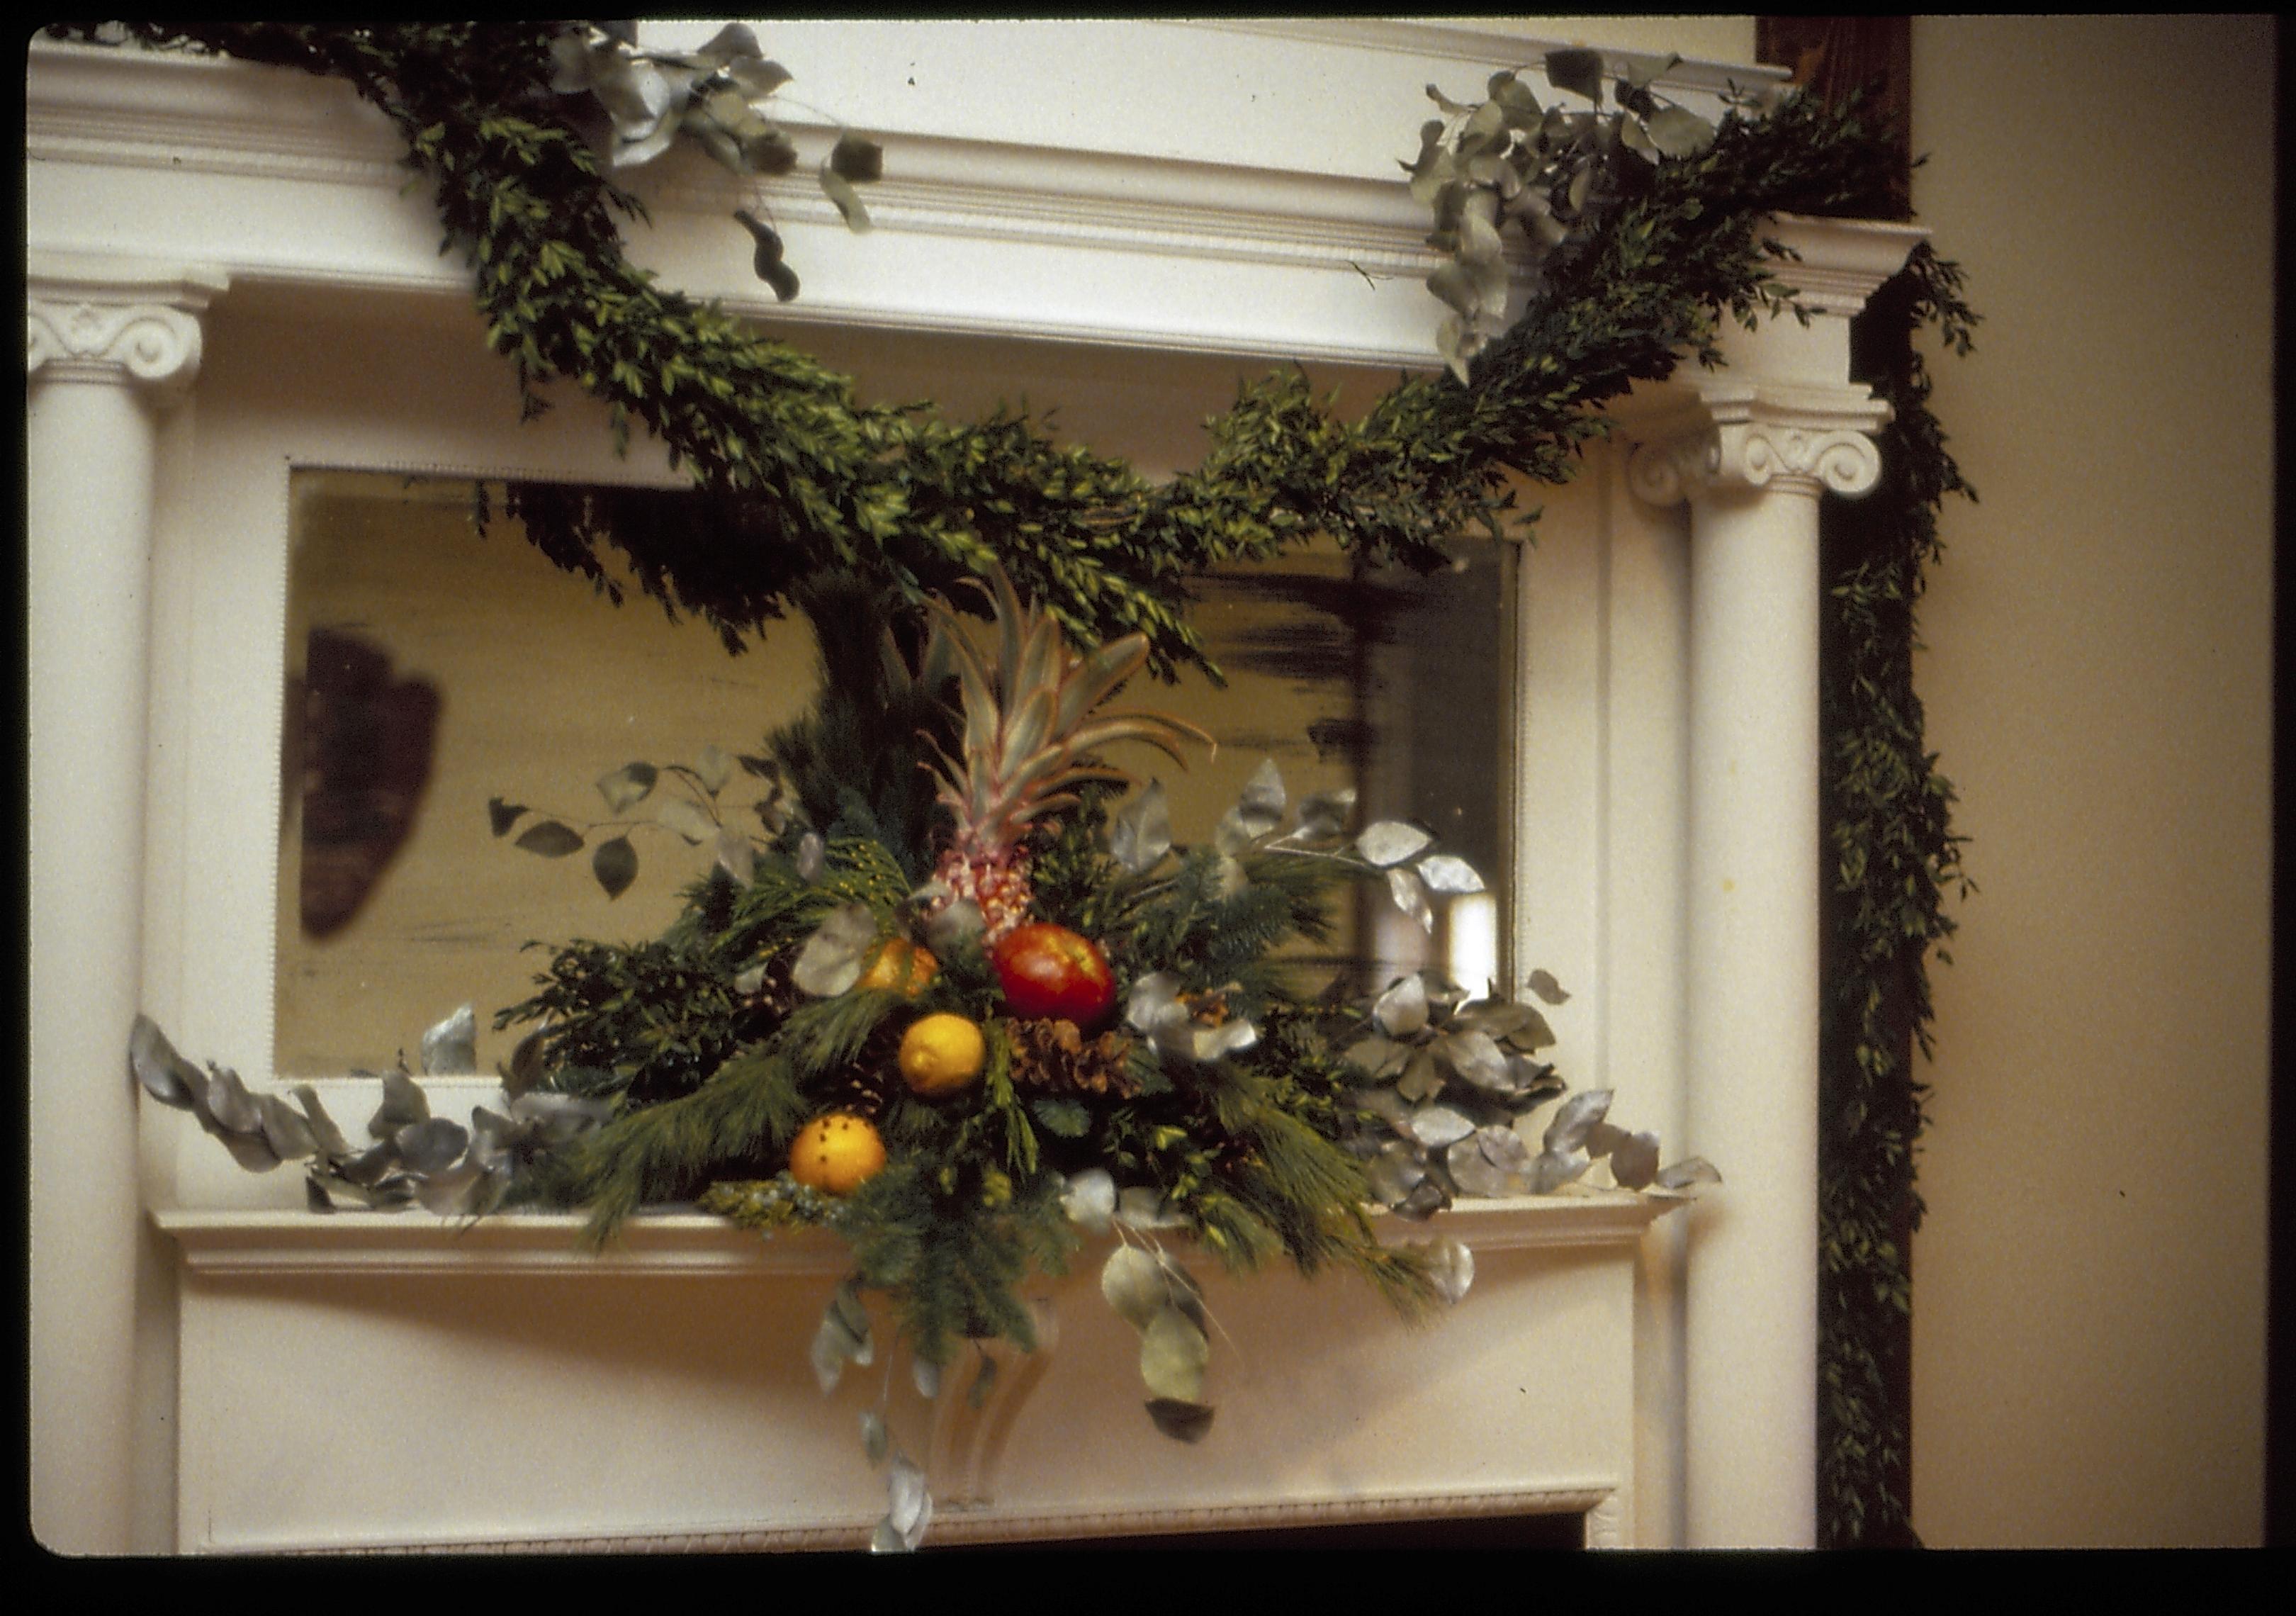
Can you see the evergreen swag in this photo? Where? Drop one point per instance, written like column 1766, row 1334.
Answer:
column 795, row 479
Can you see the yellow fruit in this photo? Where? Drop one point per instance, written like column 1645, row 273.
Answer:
column 902, row 966
column 836, row 1154
column 942, row 1053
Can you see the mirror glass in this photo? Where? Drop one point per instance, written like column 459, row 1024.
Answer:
column 438, row 676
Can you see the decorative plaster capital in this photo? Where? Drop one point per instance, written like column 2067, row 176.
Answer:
column 1740, row 438
column 115, row 322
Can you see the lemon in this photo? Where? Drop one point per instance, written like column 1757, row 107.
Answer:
column 836, row 1154
column 942, row 1053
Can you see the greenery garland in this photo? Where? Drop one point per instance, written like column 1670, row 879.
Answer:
column 796, row 478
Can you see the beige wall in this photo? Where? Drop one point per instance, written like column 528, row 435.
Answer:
column 2090, row 1287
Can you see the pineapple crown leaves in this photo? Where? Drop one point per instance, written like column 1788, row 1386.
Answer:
column 1032, row 714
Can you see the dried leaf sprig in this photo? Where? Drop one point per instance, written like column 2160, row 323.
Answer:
column 1551, row 172
column 414, row 1157
column 720, row 95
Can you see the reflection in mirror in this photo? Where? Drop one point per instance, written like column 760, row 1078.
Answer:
column 439, row 679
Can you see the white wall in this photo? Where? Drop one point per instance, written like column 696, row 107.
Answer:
column 2090, row 1286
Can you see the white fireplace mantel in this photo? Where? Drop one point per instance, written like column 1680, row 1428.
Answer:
column 227, row 279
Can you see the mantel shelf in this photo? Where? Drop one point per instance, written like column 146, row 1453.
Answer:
column 676, row 1242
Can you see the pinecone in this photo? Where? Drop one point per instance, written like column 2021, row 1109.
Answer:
column 1055, row 1056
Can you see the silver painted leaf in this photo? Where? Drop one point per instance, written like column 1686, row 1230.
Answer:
column 1444, row 872
column 910, row 1504
column 835, row 1345
column 1496, row 1018
column 329, row 1137
column 847, row 200
column 758, row 79
column 1452, row 1266
column 1634, row 1162
column 1181, row 1422
column 1230, row 1037
column 1544, row 984
column 1534, row 1082
column 1410, row 895
column 874, row 1441
column 226, row 1101
column 1391, row 841
column 1474, row 1172
column 1376, row 1055
column 1574, row 1119
column 432, row 1145
column 1090, row 1198
column 1142, row 1208
column 1232, row 878
column 1173, row 1351
column 1553, row 1170
column 1533, row 1035
column 1604, row 1138
column 451, row 1190
column 526, row 1062
column 551, row 838
column 1679, row 132
column 886, row 1539
column 1134, row 1285
column 627, row 786
column 731, row 42
column 751, row 981
column 1395, row 1172
column 166, row 1076
column 1386, row 1105
column 714, row 766
column 734, row 854
column 1436, row 1126
column 370, row 1166
column 858, row 159
column 925, row 1376
column 561, row 1118
column 1689, row 1170
column 285, row 1130
column 252, row 1150
column 452, row 1044
column 1142, row 833
column 832, row 957
column 953, row 926
column 403, row 1102
column 688, row 818
column 1323, row 815
column 1424, row 1202
column 812, row 856
column 1261, row 806
column 1476, row 1058
column 1402, row 1010
column 1422, row 1079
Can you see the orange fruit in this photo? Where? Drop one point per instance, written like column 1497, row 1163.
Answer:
column 942, row 1053
column 901, row 967
column 836, row 1154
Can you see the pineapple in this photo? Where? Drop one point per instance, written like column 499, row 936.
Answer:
column 1031, row 719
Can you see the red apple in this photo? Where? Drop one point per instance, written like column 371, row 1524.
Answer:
column 1048, row 973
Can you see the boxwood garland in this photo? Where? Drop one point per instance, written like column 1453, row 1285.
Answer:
column 795, row 475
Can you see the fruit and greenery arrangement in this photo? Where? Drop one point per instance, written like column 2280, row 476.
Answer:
column 964, row 1001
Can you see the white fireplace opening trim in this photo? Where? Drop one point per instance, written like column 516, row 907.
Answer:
column 196, row 228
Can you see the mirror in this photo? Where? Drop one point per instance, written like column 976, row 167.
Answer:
column 434, row 672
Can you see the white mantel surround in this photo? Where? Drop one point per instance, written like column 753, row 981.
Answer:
column 164, row 192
